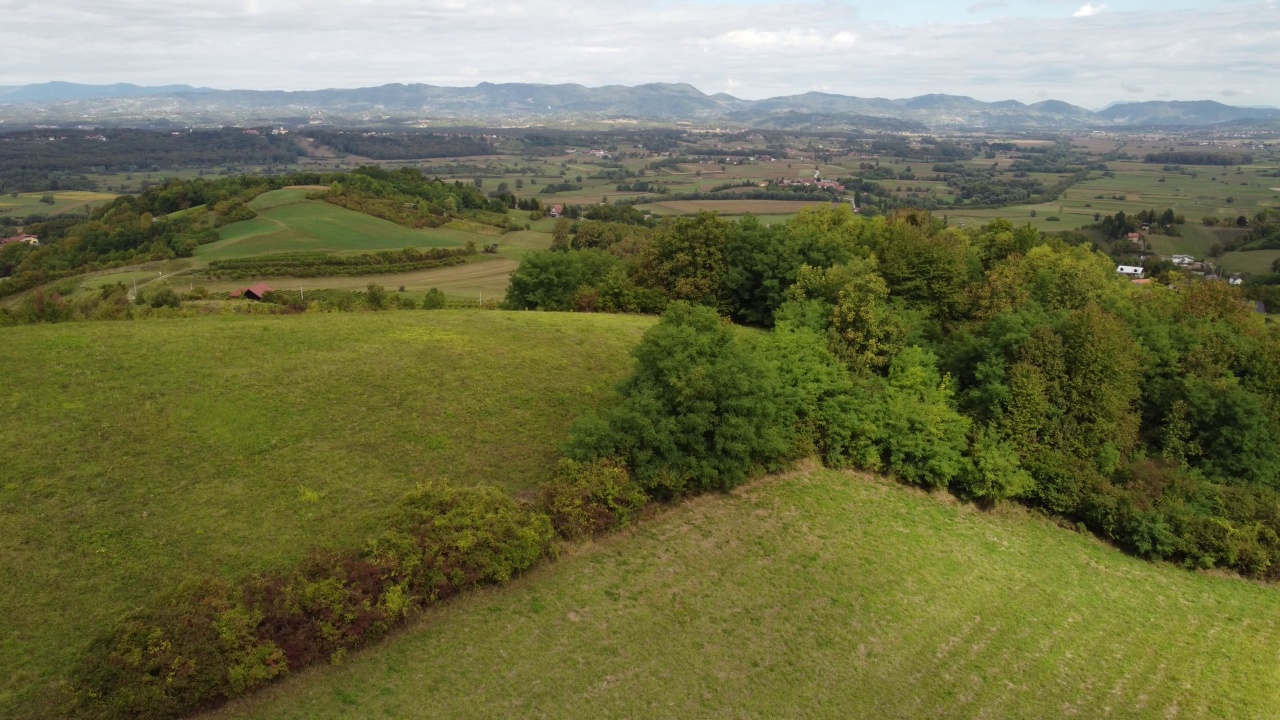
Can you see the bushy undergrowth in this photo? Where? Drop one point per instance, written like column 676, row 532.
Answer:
column 208, row 641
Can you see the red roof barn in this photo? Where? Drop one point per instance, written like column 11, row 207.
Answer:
column 252, row 293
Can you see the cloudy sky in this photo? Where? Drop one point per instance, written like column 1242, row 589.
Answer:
column 1089, row 53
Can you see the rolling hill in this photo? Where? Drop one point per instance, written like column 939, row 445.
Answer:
column 665, row 102
column 288, row 222
column 233, row 444
column 823, row 595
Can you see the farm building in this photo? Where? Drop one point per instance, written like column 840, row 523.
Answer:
column 23, row 238
column 1182, row 260
column 252, row 293
column 556, row 211
column 1132, row 271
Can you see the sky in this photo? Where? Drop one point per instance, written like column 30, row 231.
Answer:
column 1088, row 53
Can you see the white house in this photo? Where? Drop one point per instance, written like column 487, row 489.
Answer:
column 1129, row 270
column 1182, row 260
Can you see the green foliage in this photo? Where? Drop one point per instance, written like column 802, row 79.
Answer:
column 699, row 413
column 208, row 642
column 550, row 280
column 994, row 472
column 316, row 264
column 921, row 436
column 196, row 646
column 433, row 300
column 471, row 536
column 686, row 260
column 589, row 498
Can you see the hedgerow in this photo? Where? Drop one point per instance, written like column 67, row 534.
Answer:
column 208, row 641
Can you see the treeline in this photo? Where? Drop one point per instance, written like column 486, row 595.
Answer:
column 301, row 265
column 808, row 193
column 935, row 151
column 61, row 303
column 1190, row 157
column 402, row 145
column 34, row 160
column 407, row 197
column 993, row 361
column 1117, row 226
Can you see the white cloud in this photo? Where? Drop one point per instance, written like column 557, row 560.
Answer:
column 1089, row 10
column 752, row 38
column 771, row 47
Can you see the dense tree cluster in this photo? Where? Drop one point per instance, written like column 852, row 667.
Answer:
column 402, row 145
column 992, row 361
column 55, row 159
column 1196, row 157
column 408, row 197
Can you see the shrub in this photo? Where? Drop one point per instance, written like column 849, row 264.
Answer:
column 699, row 413
column 471, row 536
column 922, row 436
column 433, row 300
column 589, row 498
column 994, row 471
column 194, row 648
column 318, row 611
column 207, row 642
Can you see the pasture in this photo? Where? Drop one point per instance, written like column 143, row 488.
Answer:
column 822, row 595
column 64, row 201
column 1254, row 262
column 151, row 450
column 288, row 222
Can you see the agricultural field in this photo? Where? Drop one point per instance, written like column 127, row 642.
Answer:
column 822, row 594
column 234, row 444
column 1256, row 262
column 730, row 207
column 64, row 201
column 288, row 222
column 486, row 278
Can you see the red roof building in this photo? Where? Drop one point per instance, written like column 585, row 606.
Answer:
column 252, row 293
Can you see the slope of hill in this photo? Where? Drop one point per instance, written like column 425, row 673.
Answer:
column 150, row 450
column 1176, row 112
column 823, row 595
column 288, row 222
column 63, row 91
column 540, row 103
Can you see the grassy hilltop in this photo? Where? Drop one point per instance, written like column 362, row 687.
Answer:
column 137, row 453
column 823, row 595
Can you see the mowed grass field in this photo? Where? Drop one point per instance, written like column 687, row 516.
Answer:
column 65, row 201
column 1255, row 262
column 136, row 453
column 822, row 595
column 289, row 222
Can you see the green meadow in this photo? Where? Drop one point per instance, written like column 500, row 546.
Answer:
column 64, row 201
column 147, row 451
column 822, row 595
column 288, row 222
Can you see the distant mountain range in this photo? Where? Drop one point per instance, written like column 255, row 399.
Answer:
column 531, row 103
